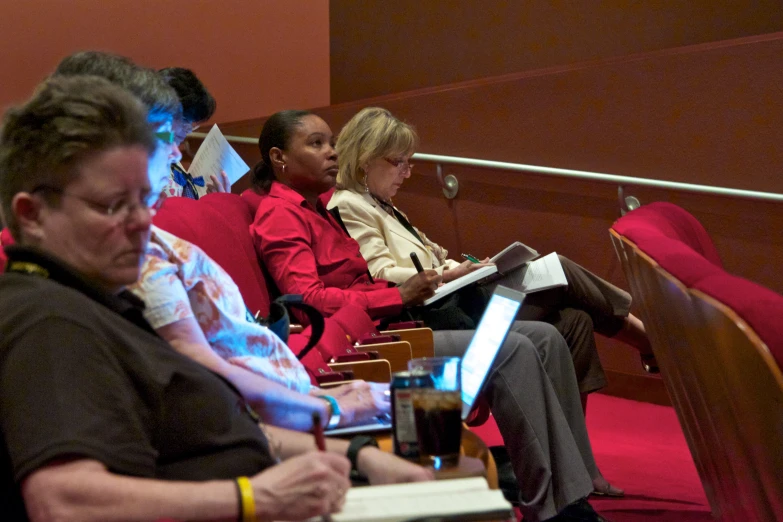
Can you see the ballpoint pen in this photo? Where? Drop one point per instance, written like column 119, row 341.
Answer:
column 320, row 443
column 471, row 258
column 416, row 262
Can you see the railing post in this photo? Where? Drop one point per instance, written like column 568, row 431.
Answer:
column 449, row 184
column 627, row 203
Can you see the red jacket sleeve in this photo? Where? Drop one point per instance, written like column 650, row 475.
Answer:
column 283, row 241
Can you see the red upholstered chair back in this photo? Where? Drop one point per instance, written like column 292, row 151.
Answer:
column 759, row 307
column 719, row 342
column 671, row 221
column 218, row 224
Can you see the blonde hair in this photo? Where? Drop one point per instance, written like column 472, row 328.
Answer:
column 370, row 134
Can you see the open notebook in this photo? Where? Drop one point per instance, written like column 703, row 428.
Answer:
column 489, row 337
column 424, row 500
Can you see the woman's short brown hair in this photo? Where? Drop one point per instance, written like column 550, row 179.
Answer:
column 67, row 120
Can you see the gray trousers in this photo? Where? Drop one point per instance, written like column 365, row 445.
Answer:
column 587, row 304
column 533, row 395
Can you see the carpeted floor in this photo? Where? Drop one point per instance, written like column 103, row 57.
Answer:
column 640, row 448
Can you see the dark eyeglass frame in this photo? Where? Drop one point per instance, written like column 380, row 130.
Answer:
column 120, row 209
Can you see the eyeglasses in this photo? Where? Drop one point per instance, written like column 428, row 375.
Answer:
column 119, row 210
column 182, row 129
column 166, row 137
column 401, row 164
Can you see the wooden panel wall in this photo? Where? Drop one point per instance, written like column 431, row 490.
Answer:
column 380, row 47
column 255, row 56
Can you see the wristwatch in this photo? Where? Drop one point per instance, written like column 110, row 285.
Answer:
column 334, row 419
column 357, row 443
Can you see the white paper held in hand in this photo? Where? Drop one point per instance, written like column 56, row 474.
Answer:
column 216, row 154
column 544, row 273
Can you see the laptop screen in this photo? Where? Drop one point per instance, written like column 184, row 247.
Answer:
column 489, row 337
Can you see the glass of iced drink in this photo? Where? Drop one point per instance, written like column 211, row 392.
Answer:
column 438, row 411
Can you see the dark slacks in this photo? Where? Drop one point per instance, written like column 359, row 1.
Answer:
column 533, row 395
column 588, row 304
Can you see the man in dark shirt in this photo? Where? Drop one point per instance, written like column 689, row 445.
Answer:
column 99, row 418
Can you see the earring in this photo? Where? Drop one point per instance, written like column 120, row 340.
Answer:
column 283, row 168
column 366, row 187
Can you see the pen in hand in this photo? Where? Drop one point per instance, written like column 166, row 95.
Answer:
column 471, row 258
column 320, row 443
column 416, row 262
column 318, row 432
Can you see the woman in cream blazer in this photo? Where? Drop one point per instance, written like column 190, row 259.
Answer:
column 373, row 152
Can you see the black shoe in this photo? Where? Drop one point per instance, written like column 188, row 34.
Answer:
column 579, row 511
column 649, row 363
column 507, row 481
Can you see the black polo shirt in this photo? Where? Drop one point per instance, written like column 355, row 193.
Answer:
column 83, row 374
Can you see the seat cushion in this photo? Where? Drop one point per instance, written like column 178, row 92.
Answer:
column 675, row 257
column 670, row 221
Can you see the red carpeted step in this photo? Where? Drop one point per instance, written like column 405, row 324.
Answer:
column 640, row 448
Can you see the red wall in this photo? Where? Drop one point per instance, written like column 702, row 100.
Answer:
column 256, row 56
column 381, row 47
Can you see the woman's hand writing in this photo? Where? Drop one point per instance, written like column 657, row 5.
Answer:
column 301, row 487
column 420, row 287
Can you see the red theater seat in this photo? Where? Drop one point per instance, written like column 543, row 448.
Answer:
column 718, row 340
column 669, row 220
column 5, row 240
column 218, row 223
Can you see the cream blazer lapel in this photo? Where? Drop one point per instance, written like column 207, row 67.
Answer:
column 399, row 239
column 389, row 256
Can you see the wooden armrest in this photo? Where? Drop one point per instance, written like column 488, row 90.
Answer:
column 398, row 354
column 378, row 370
column 295, row 328
column 333, row 384
column 422, row 344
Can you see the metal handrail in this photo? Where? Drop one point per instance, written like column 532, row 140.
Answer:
column 569, row 173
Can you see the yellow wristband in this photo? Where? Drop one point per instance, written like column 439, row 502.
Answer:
column 248, row 503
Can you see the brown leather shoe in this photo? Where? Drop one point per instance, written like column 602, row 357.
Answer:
column 602, row 488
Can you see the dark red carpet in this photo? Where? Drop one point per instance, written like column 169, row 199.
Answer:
column 641, row 449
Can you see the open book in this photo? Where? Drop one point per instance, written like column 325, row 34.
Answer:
column 539, row 274
column 409, row 502
column 514, row 255
column 213, row 155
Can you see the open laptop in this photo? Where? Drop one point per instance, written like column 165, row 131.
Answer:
column 490, row 334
